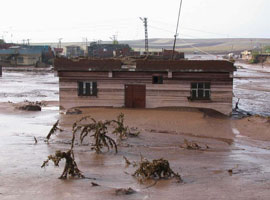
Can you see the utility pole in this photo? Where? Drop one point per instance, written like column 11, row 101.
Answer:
column 146, row 33
column 28, row 42
column 114, row 39
column 176, row 32
column 59, row 42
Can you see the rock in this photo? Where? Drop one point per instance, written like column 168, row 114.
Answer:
column 73, row 111
column 123, row 191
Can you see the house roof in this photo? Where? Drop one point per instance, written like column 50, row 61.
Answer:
column 185, row 65
column 20, row 51
column 64, row 64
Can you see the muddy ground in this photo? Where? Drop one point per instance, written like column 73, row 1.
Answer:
column 242, row 145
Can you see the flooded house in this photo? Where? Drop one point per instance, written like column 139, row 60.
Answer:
column 146, row 84
column 20, row 57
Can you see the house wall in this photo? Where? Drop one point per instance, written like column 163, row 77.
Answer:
column 28, row 60
column 174, row 92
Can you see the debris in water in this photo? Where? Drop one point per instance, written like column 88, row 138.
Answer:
column 35, row 140
column 127, row 161
column 73, row 111
column 191, row 145
column 236, row 105
column 30, row 107
column 123, row 191
column 94, row 184
column 134, row 164
column 231, row 171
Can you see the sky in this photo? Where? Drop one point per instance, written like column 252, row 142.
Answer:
column 74, row 21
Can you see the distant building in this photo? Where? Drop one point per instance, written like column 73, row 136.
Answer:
column 167, row 55
column 6, row 45
column 20, row 57
column 74, row 51
column 96, row 50
column 262, row 58
column 246, row 55
column 26, row 55
column 58, row 51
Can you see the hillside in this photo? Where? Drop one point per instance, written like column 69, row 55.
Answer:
column 222, row 45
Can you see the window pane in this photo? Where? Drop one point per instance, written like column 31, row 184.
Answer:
column 80, row 88
column 200, row 93
column 194, row 85
column 94, row 88
column 207, row 86
column 200, row 85
column 193, row 94
column 160, row 80
column 87, row 91
column 157, row 80
column 207, row 94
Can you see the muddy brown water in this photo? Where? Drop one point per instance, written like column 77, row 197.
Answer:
column 205, row 172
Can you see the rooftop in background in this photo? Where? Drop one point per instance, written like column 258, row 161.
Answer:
column 21, row 51
column 85, row 64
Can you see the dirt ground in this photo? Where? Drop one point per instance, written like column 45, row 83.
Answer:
column 242, row 145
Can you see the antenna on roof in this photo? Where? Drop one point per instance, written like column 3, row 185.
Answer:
column 146, row 33
column 176, row 32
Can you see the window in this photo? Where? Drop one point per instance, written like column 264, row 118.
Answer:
column 200, row 91
column 87, row 88
column 20, row 59
column 157, row 80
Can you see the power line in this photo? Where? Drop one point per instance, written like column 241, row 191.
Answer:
column 176, row 32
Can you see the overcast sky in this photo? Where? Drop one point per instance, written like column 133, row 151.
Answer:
column 73, row 20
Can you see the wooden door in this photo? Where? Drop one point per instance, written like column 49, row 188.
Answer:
column 135, row 96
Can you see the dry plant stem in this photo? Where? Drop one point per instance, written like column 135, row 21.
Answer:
column 70, row 168
column 122, row 130
column 157, row 169
column 54, row 129
column 98, row 130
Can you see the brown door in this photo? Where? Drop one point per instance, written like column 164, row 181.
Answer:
column 135, row 96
